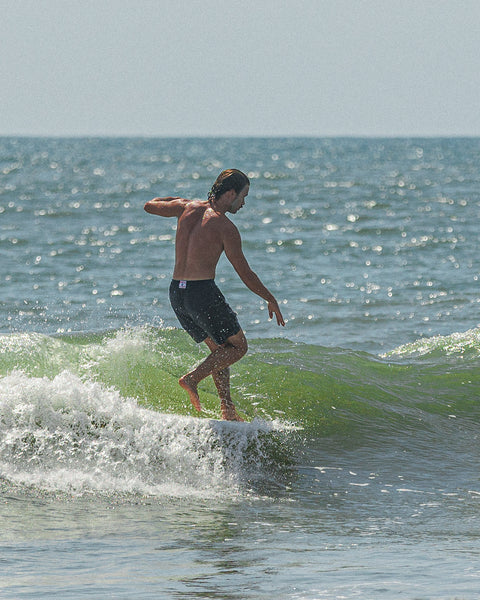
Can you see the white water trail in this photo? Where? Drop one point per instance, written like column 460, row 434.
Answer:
column 66, row 434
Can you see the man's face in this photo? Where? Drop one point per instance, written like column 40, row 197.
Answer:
column 239, row 200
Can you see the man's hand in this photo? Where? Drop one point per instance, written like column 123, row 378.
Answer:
column 274, row 309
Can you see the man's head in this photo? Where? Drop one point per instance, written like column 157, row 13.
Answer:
column 228, row 181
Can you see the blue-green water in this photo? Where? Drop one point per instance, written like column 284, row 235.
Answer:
column 357, row 473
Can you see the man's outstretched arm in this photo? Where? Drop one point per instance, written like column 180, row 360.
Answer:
column 166, row 207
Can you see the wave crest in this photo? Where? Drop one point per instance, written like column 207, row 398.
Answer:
column 77, row 436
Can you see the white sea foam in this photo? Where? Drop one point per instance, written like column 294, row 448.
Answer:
column 457, row 343
column 65, row 434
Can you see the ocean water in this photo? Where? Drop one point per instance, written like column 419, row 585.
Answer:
column 356, row 474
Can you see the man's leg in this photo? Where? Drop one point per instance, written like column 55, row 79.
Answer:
column 216, row 364
column 222, row 383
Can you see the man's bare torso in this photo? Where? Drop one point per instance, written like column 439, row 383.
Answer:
column 199, row 241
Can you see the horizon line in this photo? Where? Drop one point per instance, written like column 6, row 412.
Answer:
column 236, row 136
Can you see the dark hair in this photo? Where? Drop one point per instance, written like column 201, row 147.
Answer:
column 230, row 179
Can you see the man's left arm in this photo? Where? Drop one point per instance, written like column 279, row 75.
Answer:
column 234, row 253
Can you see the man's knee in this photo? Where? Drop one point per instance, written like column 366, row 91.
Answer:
column 239, row 342
column 243, row 347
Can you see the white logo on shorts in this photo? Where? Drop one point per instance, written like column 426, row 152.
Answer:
column 182, row 285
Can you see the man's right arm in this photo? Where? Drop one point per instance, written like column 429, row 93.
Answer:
column 166, row 207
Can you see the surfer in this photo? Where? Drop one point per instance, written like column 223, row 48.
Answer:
column 204, row 232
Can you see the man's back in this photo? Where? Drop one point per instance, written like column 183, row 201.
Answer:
column 199, row 241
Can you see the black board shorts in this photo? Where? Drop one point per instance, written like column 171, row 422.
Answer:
column 203, row 311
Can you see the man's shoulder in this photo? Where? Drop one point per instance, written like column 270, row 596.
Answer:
column 194, row 209
column 218, row 219
column 196, row 204
column 226, row 224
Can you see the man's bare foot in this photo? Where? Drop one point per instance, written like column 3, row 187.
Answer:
column 229, row 412
column 190, row 387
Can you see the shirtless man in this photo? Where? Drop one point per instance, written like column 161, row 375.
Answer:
column 203, row 233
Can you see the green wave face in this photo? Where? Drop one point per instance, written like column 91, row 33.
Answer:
column 323, row 390
column 104, row 412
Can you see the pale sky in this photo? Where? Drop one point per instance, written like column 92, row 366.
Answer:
column 240, row 67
